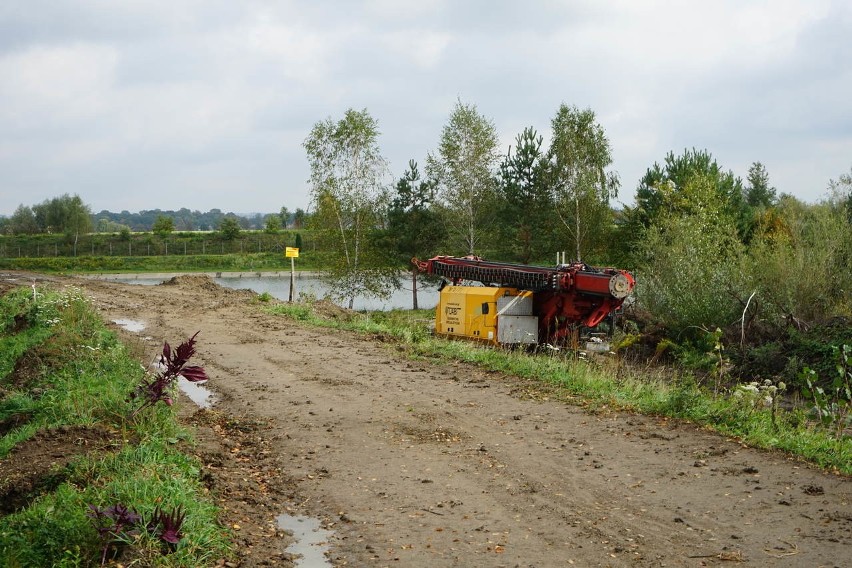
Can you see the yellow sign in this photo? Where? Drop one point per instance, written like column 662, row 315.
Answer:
column 291, row 252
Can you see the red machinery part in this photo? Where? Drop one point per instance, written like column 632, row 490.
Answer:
column 564, row 296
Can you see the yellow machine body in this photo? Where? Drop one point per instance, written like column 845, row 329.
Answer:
column 472, row 312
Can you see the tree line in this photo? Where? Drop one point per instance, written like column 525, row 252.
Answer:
column 70, row 215
column 713, row 253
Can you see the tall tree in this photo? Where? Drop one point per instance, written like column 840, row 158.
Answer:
column 163, row 226
column 65, row 214
column 347, row 169
column 78, row 219
column 759, row 193
column 229, row 228
column 526, row 211
column 579, row 158
column 272, row 224
column 299, row 218
column 23, row 221
column 414, row 227
column 840, row 192
column 666, row 188
column 284, row 216
column 463, row 168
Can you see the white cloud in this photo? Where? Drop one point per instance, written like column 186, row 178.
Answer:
column 54, row 85
column 209, row 100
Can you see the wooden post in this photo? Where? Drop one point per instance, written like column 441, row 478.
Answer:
column 292, row 279
column 292, row 253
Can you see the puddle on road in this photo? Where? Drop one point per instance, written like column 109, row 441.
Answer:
column 130, row 325
column 311, row 540
column 199, row 394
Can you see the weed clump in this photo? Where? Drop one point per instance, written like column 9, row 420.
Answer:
column 173, row 364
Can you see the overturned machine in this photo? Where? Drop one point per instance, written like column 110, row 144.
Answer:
column 523, row 304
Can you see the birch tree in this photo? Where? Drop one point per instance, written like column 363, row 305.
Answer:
column 582, row 186
column 463, row 169
column 347, row 170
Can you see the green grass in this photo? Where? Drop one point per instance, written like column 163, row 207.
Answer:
column 78, row 373
column 606, row 384
column 171, row 263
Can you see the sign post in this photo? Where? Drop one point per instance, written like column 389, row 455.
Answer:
column 292, row 253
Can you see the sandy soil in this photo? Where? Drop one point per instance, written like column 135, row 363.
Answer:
column 421, row 464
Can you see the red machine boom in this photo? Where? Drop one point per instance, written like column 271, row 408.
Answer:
column 563, row 296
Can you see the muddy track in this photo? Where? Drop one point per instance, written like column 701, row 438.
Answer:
column 418, row 464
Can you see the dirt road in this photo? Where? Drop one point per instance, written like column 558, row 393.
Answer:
column 417, row 464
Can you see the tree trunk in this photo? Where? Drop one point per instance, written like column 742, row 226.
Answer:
column 414, row 288
column 577, row 225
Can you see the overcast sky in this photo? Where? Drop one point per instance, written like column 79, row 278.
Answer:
column 145, row 104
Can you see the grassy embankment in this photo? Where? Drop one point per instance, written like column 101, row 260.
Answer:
column 62, row 372
column 149, row 252
column 611, row 385
column 254, row 262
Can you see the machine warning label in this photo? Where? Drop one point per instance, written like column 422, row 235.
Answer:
column 452, row 314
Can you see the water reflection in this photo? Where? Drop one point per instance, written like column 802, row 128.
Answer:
column 279, row 287
column 311, row 540
column 130, row 325
column 199, row 394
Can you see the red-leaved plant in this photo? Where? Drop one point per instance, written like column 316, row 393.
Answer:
column 115, row 525
column 173, row 364
column 167, row 526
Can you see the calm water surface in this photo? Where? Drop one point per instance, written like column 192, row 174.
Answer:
column 279, row 287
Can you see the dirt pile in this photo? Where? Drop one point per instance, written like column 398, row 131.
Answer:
column 39, row 464
column 194, row 282
column 329, row 310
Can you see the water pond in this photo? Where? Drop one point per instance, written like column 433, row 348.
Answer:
column 278, row 286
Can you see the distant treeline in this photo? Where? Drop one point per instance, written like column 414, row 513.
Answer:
column 193, row 220
column 68, row 214
column 140, row 244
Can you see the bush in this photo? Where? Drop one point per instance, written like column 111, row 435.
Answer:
column 691, row 277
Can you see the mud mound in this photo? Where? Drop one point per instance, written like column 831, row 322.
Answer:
column 40, row 360
column 193, row 282
column 38, row 464
column 329, row 310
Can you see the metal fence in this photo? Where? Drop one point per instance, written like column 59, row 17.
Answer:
column 98, row 245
